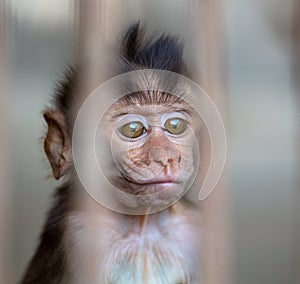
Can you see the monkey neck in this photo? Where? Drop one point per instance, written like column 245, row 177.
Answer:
column 180, row 213
column 140, row 224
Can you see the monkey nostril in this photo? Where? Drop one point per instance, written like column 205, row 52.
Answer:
column 170, row 160
column 179, row 159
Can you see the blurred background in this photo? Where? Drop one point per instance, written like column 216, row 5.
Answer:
column 258, row 46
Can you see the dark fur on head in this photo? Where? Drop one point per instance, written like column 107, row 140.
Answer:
column 136, row 51
column 161, row 52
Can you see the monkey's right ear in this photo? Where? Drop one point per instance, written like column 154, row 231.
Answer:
column 57, row 143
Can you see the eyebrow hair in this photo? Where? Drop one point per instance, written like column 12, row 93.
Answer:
column 151, row 98
column 119, row 114
column 122, row 111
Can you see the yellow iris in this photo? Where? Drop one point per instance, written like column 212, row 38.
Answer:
column 175, row 125
column 133, row 129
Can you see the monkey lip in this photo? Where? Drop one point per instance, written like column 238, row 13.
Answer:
column 152, row 186
column 158, row 181
column 161, row 179
column 168, row 187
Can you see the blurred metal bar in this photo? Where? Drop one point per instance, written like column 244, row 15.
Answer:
column 209, row 70
column 97, row 25
column 5, row 193
column 296, row 81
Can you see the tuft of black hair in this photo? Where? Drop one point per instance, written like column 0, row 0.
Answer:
column 163, row 52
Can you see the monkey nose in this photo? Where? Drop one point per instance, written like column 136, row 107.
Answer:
column 158, row 155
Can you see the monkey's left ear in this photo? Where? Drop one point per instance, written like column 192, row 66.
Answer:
column 57, row 143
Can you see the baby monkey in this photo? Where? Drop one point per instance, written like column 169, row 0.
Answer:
column 153, row 134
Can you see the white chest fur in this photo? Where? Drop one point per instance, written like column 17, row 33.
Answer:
column 157, row 249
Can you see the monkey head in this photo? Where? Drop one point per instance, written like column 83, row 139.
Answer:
column 154, row 151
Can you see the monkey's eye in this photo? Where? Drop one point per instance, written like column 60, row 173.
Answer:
column 133, row 129
column 175, row 125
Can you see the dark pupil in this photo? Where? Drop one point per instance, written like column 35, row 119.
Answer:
column 174, row 123
column 134, row 127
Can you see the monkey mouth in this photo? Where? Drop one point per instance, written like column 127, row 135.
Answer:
column 151, row 186
column 158, row 180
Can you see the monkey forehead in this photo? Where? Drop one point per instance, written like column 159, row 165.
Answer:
column 132, row 105
column 145, row 110
column 151, row 97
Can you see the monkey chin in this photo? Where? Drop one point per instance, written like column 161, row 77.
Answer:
column 154, row 195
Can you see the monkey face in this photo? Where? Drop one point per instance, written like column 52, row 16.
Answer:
column 154, row 151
